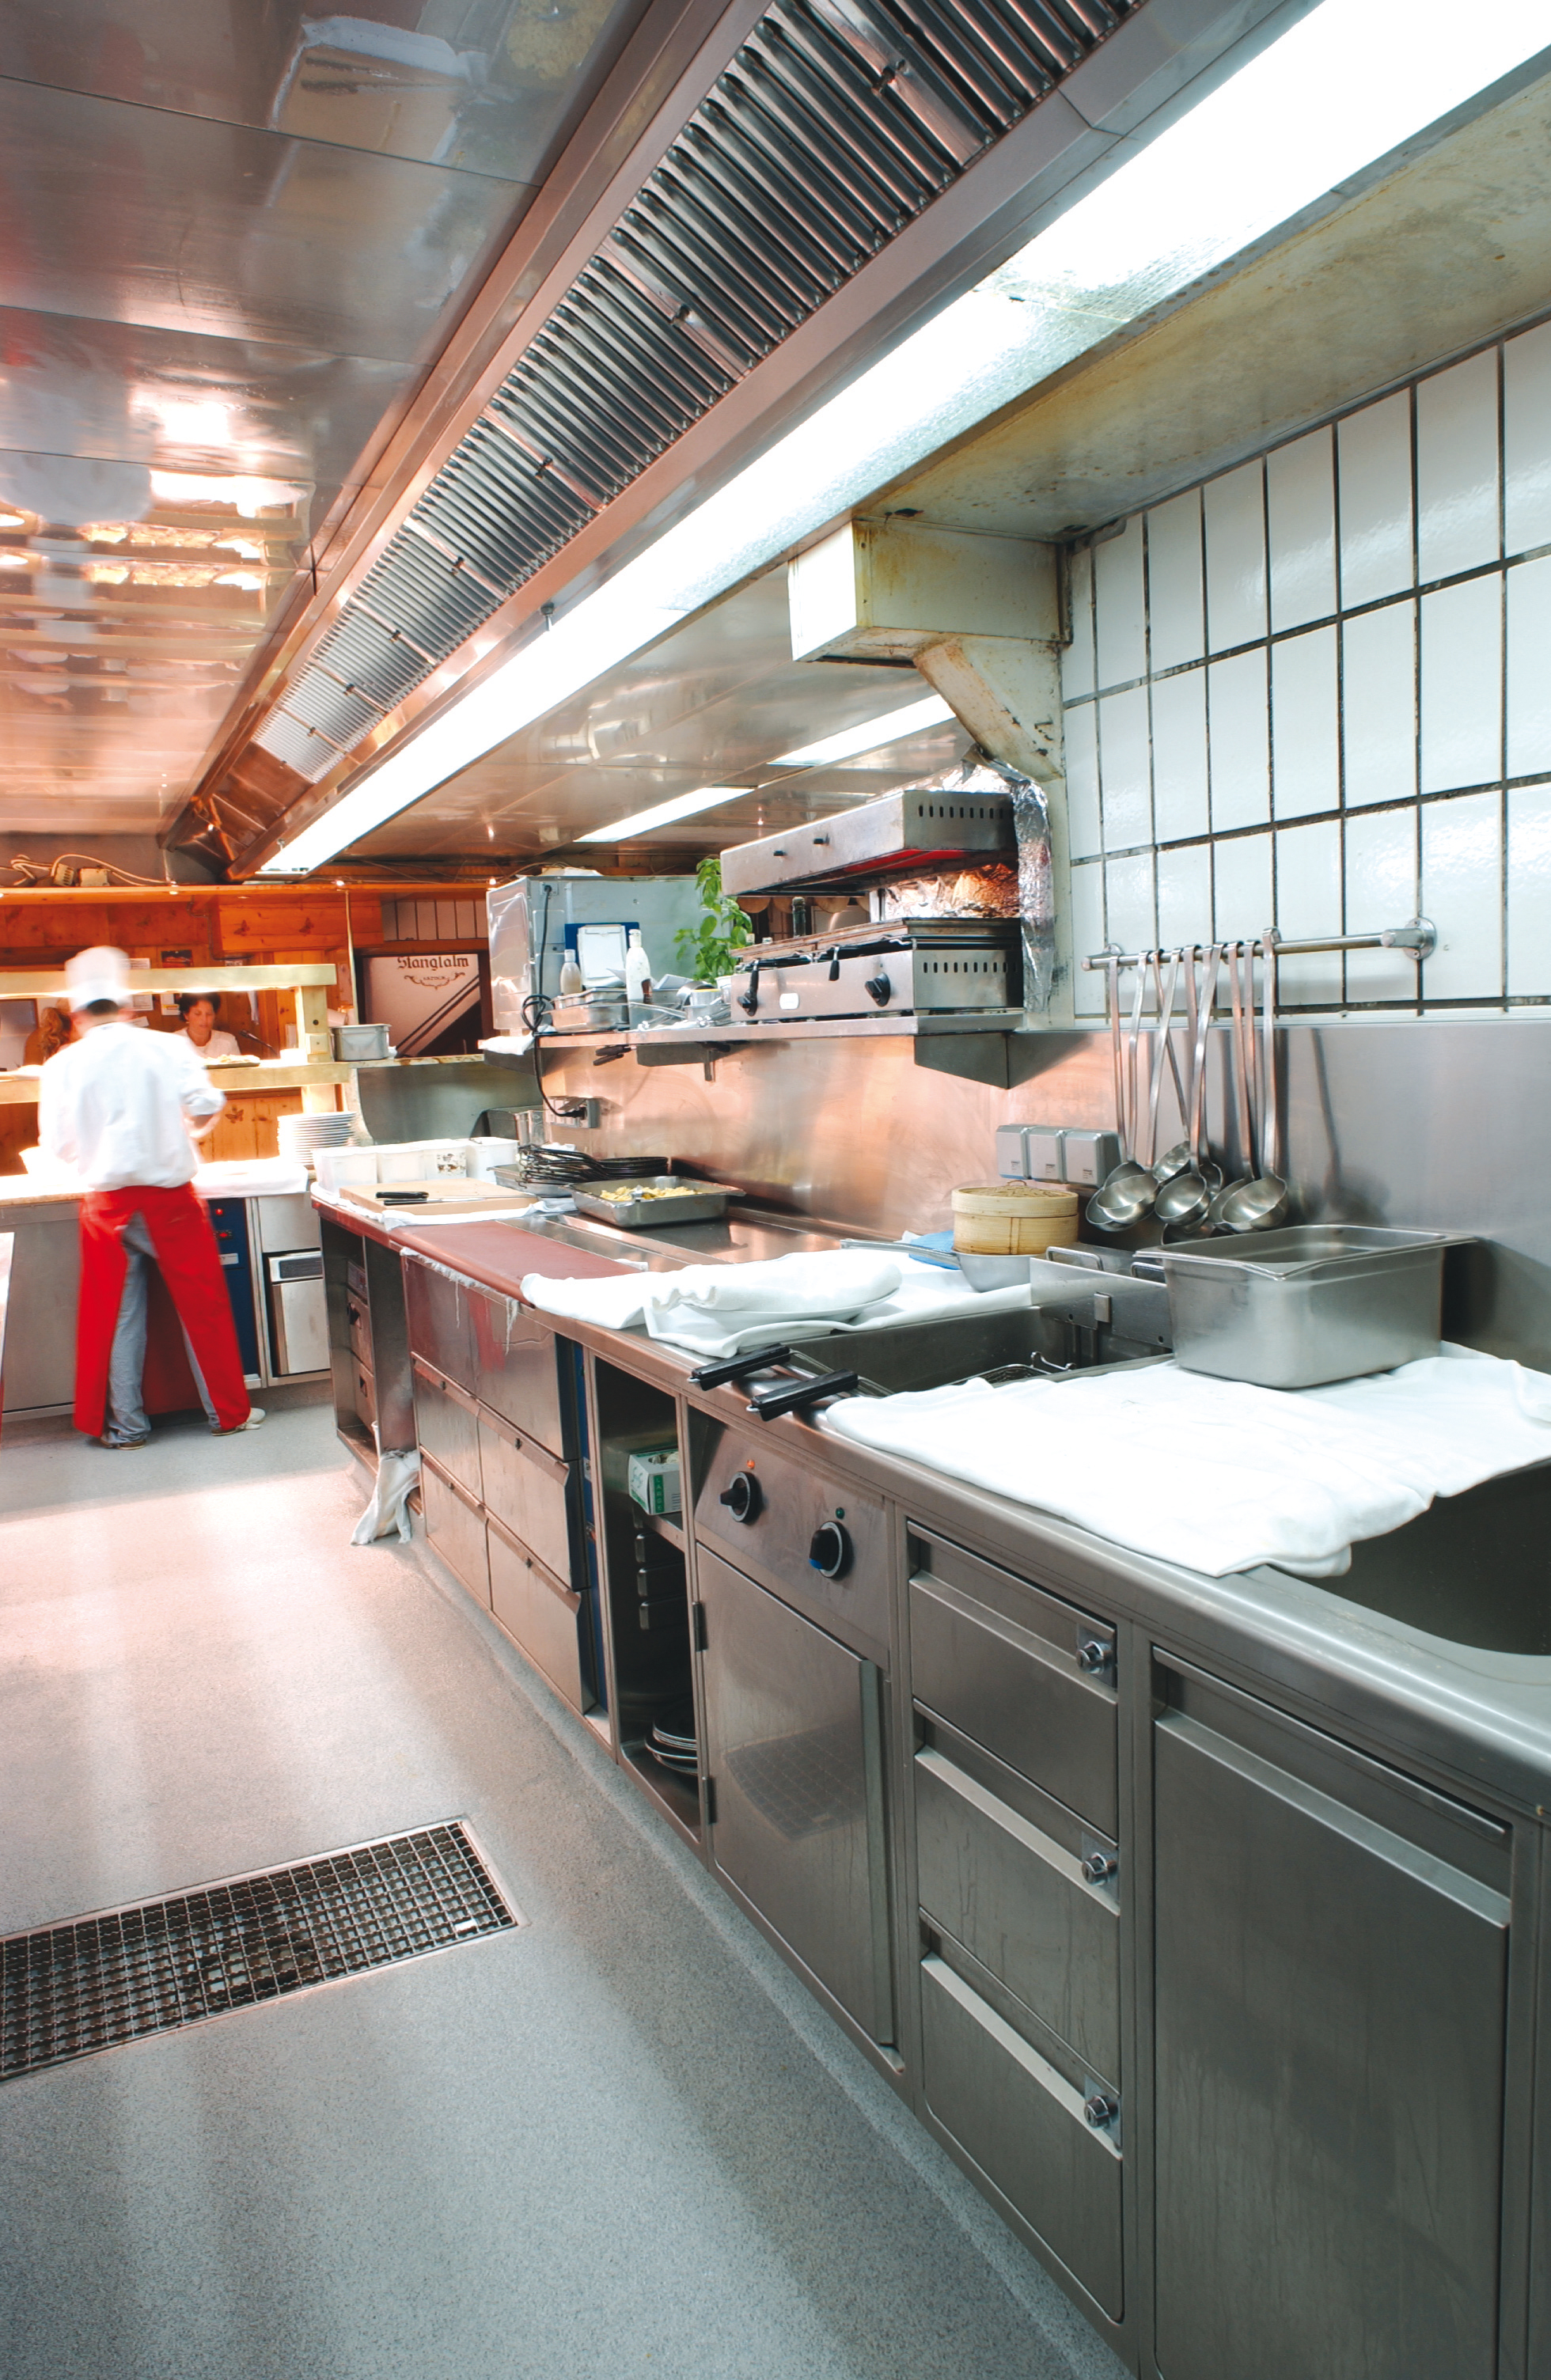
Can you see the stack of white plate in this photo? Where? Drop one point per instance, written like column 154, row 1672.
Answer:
column 302, row 1136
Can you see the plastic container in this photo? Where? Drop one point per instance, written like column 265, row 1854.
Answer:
column 355, row 1045
column 1012, row 1219
column 335, row 1167
column 485, row 1155
column 1317, row 1302
column 417, row 1161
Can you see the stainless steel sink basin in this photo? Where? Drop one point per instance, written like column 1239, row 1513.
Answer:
column 1027, row 1341
column 1474, row 1569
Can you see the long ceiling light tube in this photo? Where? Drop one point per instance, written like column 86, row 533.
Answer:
column 1348, row 85
column 908, row 721
column 682, row 806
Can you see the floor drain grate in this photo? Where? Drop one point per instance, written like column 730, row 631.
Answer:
column 72, row 1989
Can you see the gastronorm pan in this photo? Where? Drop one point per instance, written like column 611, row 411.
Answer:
column 675, row 1199
column 1317, row 1302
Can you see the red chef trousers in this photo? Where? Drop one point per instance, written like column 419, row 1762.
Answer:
column 189, row 1262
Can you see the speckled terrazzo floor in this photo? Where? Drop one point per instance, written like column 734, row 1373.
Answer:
column 621, row 2140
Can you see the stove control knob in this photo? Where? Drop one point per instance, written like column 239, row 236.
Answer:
column 830, row 1550
column 744, row 1497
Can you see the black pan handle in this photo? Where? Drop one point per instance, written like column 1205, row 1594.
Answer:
column 749, row 1001
column 711, row 1376
column 807, row 1392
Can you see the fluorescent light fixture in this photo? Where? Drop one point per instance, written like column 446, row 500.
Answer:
column 886, row 729
column 705, row 797
column 1346, row 86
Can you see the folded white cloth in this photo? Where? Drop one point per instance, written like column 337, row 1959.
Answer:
column 719, row 1310
column 1218, row 1474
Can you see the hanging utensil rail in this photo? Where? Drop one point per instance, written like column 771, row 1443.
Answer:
column 1418, row 935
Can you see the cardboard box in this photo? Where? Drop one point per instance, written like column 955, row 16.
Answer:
column 653, row 1480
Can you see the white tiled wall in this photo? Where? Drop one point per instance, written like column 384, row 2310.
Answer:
column 1316, row 692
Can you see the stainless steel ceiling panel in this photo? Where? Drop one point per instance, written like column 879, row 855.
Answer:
column 487, row 87
column 133, row 393
column 175, row 221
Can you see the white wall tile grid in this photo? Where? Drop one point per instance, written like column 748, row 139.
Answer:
column 1317, row 690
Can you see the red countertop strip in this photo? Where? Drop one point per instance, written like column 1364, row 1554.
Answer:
column 497, row 1255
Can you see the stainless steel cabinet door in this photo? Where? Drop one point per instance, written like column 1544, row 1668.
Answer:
column 528, row 1490
column 447, row 1426
column 440, row 1321
column 795, row 1751
column 456, row 1526
column 538, row 1611
column 516, row 1359
column 1330, row 2026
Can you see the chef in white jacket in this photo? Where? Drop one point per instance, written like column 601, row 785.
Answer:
column 120, row 1107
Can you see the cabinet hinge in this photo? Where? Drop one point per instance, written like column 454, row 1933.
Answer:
column 699, row 1610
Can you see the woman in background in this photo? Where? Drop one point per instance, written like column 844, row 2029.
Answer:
column 198, row 1012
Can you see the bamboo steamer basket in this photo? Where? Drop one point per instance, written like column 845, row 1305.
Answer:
column 1013, row 1219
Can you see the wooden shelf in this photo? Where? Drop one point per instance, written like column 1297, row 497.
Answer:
column 44, row 983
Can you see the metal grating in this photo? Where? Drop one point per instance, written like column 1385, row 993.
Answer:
column 837, row 123
column 289, row 741
column 334, row 710
column 73, row 1989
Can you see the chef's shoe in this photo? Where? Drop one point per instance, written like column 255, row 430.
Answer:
column 255, row 1415
column 114, row 1445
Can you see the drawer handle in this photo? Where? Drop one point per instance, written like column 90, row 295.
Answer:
column 1100, row 1866
column 1095, row 1656
column 1101, row 2111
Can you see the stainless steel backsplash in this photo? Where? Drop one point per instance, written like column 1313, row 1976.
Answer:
column 1416, row 1121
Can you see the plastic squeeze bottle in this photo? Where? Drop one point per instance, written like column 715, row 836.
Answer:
column 638, row 970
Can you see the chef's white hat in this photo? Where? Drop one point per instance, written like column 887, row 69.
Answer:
column 102, row 974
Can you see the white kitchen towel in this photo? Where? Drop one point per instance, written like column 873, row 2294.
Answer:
column 1218, row 1474
column 719, row 1310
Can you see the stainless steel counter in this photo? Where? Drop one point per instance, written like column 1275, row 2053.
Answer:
column 746, row 1236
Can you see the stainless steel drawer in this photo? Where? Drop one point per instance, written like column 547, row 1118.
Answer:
column 1018, row 1670
column 516, row 1369
column 441, row 1325
column 455, row 1527
column 527, row 1488
column 1015, row 1895
column 447, row 1425
column 537, row 1612
column 1023, row 2125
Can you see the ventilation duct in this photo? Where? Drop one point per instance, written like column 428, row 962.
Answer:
column 836, row 124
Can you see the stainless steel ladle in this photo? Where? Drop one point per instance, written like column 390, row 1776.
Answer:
column 1175, row 1158
column 1239, row 956
column 1126, row 1194
column 1261, row 1204
column 1185, row 1198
